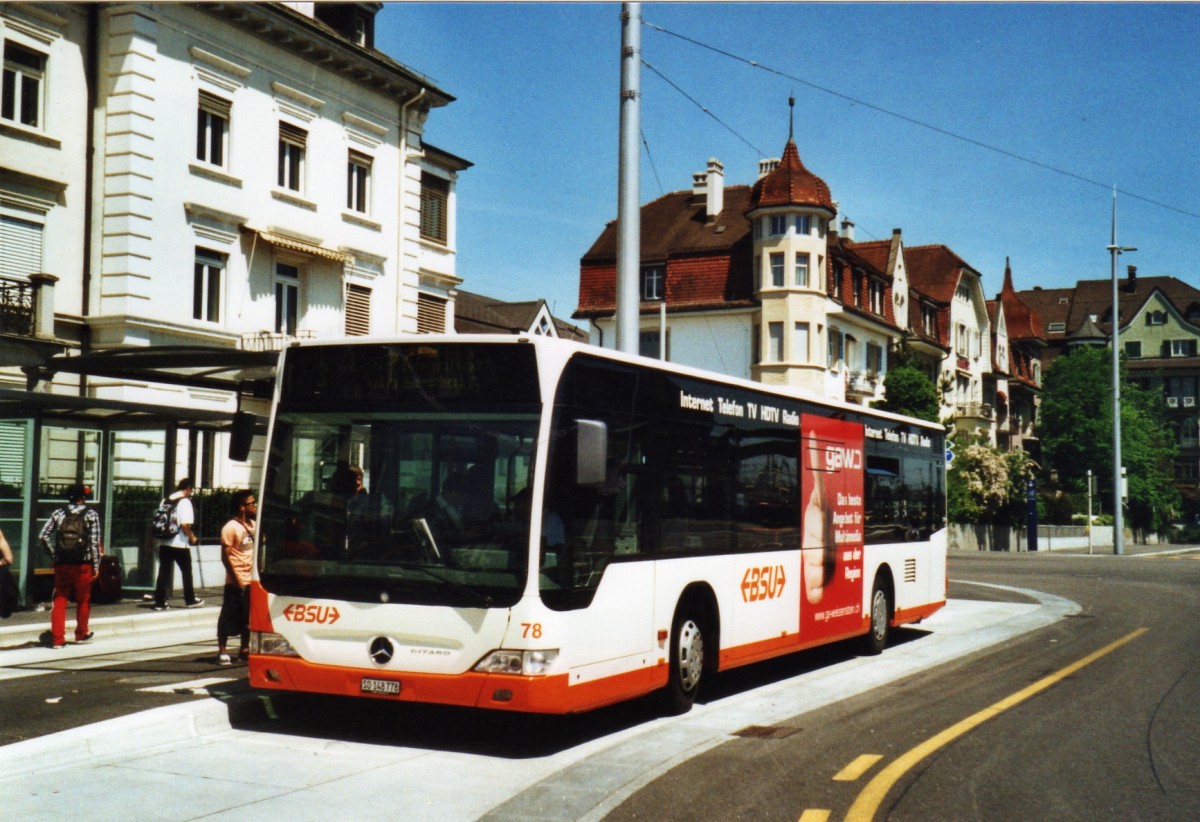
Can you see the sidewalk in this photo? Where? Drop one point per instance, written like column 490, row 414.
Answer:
column 132, row 615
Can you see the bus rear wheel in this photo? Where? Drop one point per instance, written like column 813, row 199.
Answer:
column 881, row 611
column 686, row 662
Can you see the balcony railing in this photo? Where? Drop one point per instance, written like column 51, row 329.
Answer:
column 270, row 341
column 861, row 382
column 16, row 308
column 977, row 410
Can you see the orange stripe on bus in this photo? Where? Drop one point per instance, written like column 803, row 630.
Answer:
column 550, row 694
column 260, row 612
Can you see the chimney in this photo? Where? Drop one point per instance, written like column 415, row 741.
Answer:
column 847, row 232
column 1131, row 283
column 765, row 167
column 716, row 188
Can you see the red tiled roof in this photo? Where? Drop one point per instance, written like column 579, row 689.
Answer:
column 875, row 252
column 1023, row 320
column 935, row 270
column 677, row 223
column 706, row 264
column 791, row 184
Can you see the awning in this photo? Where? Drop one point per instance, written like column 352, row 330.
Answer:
column 293, row 244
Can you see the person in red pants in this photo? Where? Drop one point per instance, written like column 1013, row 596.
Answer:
column 72, row 538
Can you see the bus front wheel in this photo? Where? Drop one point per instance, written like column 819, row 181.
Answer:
column 881, row 612
column 687, row 662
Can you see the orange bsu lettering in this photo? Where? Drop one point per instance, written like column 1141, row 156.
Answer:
column 320, row 614
column 762, row 583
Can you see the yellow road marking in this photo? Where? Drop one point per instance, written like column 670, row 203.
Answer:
column 876, row 791
column 814, row 815
column 857, row 768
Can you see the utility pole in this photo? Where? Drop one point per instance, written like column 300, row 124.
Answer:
column 629, row 213
column 1114, row 251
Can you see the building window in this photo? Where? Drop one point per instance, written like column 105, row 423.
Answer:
column 963, row 292
column 20, row 246
column 801, row 343
column 1133, row 349
column 836, row 351
column 775, row 342
column 431, row 314
column 292, row 144
column 856, row 281
column 874, row 358
column 1180, row 348
column 649, row 344
column 803, row 225
column 1156, row 318
column 962, row 340
column 929, row 320
column 358, row 310
column 877, row 293
column 835, row 288
column 802, row 259
column 206, row 287
column 201, row 451
column 777, row 270
column 652, row 282
column 212, row 129
column 757, row 272
column 435, row 198
column 287, row 299
column 756, row 343
column 358, row 179
column 779, row 225
column 24, row 76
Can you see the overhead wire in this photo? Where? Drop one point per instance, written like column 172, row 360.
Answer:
column 904, row 117
column 650, row 157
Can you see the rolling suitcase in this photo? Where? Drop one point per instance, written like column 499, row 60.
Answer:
column 106, row 587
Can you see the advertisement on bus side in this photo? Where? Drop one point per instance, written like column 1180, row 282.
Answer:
column 832, row 520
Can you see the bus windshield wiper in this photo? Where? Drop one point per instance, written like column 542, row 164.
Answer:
column 479, row 596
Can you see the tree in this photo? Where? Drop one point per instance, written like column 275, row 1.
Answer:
column 987, row 485
column 908, row 390
column 1075, row 426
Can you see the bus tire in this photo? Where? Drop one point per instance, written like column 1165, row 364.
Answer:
column 881, row 613
column 686, row 661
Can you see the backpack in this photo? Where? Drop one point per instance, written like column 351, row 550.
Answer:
column 68, row 539
column 166, row 520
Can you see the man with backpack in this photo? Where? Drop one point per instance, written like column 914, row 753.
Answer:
column 176, row 539
column 72, row 538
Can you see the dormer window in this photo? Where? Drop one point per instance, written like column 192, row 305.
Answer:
column 877, row 291
column 652, row 282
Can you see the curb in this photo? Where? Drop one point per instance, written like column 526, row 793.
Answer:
column 15, row 636
column 153, row 730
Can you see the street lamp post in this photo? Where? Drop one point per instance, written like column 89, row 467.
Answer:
column 1114, row 251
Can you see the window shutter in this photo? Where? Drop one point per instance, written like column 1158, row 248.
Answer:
column 435, row 195
column 20, row 247
column 293, row 134
column 431, row 314
column 358, row 310
column 214, row 104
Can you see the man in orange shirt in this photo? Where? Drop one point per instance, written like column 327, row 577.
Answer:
column 237, row 555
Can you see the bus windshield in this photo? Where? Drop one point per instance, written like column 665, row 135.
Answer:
column 405, row 485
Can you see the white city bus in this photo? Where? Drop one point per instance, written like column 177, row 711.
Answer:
column 527, row 524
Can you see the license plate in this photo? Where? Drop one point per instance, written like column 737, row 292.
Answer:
column 380, row 686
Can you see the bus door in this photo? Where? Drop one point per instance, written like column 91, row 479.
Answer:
column 831, row 495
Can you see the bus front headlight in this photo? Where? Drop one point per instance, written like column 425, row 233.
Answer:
column 270, row 644
column 518, row 663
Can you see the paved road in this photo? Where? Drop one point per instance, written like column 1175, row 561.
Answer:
column 762, row 744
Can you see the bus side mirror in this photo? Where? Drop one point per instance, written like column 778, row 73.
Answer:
column 591, row 453
column 241, row 436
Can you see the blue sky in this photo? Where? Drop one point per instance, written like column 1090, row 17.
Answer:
column 1097, row 94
